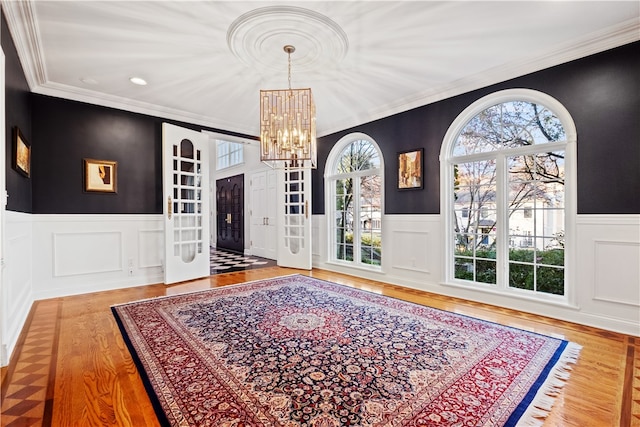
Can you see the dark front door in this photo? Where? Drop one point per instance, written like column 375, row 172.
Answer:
column 230, row 217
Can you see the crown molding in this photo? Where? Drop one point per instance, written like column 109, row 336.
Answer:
column 23, row 27
column 21, row 20
column 625, row 33
column 127, row 104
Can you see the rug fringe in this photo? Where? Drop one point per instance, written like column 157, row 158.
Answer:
column 546, row 396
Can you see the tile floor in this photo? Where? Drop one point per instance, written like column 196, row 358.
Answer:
column 225, row 261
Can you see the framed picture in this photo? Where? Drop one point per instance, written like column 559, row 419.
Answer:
column 100, row 176
column 410, row 165
column 21, row 153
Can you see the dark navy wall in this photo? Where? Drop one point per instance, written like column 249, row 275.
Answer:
column 17, row 113
column 602, row 94
column 65, row 132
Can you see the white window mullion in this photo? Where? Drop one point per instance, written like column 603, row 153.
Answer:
column 357, row 256
column 447, row 177
column 502, row 218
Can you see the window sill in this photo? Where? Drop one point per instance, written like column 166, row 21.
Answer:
column 377, row 269
column 516, row 294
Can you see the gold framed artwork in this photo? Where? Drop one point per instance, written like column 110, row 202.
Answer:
column 410, row 169
column 100, row 176
column 21, row 160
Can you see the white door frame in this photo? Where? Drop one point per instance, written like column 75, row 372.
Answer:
column 4, row 309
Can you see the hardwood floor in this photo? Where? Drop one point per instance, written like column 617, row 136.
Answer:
column 72, row 368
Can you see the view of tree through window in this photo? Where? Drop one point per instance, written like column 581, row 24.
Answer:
column 356, row 186
column 509, row 198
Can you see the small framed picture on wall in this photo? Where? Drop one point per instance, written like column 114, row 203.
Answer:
column 410, row 169
column 100, row 176
column 21, row 160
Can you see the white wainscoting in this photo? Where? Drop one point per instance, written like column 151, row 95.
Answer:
column 76, row 254
column 88, row 252
column 410, row 251
column 17, row 288
column 608, row 275
column 607, row 280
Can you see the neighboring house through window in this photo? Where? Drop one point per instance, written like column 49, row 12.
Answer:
column 508, row 186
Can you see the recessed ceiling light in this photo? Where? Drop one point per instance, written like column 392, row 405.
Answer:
column 138, row 81
column 89, row 81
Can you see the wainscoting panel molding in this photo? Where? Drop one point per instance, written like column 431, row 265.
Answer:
column 608, row 274
column 617, row 272
column 410, row 250
column 91, row 253
column 150, row 248
column 87, row 253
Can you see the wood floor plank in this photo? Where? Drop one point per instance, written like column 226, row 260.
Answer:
column 94, row 381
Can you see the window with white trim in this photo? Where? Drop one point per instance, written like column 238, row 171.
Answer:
column 509, row 195
column 228, row 153
column 354, row 189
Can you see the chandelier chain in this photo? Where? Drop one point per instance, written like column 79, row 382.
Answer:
column 289, row 54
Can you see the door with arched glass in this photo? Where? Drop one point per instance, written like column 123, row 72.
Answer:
column 354, row 185
column 185, row 173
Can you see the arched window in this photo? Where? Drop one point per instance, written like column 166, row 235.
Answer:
column 353, row 180
column 508, row 186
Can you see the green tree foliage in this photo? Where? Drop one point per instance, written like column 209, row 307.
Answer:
column 532, row 180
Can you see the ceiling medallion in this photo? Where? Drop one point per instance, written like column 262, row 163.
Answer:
column 255, row 37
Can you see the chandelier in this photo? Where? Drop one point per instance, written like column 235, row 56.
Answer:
column 288, row 126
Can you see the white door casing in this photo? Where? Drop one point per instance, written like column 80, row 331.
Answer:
column 271, row 233
column 257, row 213
column 4, row 356
column 294, row 218
column 185, row 173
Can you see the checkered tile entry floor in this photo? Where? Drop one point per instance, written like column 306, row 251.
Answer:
column 224, row 261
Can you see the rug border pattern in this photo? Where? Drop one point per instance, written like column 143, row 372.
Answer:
column 550, row 379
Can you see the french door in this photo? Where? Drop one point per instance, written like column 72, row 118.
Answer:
column 185, row 171
column 294, row 218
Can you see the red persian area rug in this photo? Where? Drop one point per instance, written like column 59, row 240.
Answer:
column 298, row 351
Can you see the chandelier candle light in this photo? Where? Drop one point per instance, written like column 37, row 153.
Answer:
column 288, row 126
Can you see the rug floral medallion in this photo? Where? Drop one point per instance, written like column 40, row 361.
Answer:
column 298, row 351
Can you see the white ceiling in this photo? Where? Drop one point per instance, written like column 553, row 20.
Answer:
column 205, row 61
